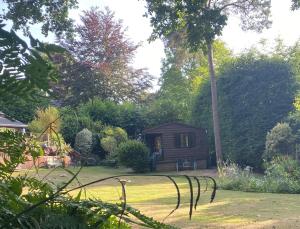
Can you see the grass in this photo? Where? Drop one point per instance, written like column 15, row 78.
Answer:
column 156, row 197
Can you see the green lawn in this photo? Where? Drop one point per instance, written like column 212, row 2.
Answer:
column 156, row 197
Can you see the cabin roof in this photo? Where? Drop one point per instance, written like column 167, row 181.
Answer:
column 158, row 128
column 9, row 123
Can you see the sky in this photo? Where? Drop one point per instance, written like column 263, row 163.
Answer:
column 286, row 25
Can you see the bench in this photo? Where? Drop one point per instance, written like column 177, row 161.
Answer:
column 186, row 163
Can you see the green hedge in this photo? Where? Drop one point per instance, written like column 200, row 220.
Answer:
column 134, row 154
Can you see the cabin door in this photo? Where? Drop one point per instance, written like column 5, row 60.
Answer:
column 154, row 142
column 157, row 149
column 157, row 144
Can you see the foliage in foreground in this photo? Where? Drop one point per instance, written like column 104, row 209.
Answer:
column 282, row 175
column 25, row 70
column 52, row 16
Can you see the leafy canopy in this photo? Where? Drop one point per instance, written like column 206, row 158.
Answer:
column 203, row 20
column 183, row 73
column 53, row 15
column 22, row 109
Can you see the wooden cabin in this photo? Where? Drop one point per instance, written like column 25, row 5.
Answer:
column 177, row 146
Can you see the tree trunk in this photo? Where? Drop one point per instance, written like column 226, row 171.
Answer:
column 214, row 105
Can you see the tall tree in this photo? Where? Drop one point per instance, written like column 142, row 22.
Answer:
column 183, row 73
column 192, row 65
column 101, row 45
column 172, row 101
column 202, row 21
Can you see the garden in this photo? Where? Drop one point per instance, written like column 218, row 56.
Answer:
column 82, row 158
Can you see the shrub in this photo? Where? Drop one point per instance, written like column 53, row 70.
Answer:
column 278, row 141
column 283, row 167
column 282, row 175
column 43, row 119
column 127, row 115
column 230, row 170
column 233, row 177
column 111, row 138
column 97, row 148
column 134, row 154
column 118, row 133
column 109, row 144
column 84, row 142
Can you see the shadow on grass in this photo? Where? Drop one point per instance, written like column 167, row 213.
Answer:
column 157, row 197
column 247, row 210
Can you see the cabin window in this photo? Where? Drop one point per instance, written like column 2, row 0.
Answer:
column 185, row 140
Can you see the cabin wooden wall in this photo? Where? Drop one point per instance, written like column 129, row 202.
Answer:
column 171, row 153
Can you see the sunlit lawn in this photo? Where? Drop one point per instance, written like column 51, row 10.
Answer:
column 156, row 197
